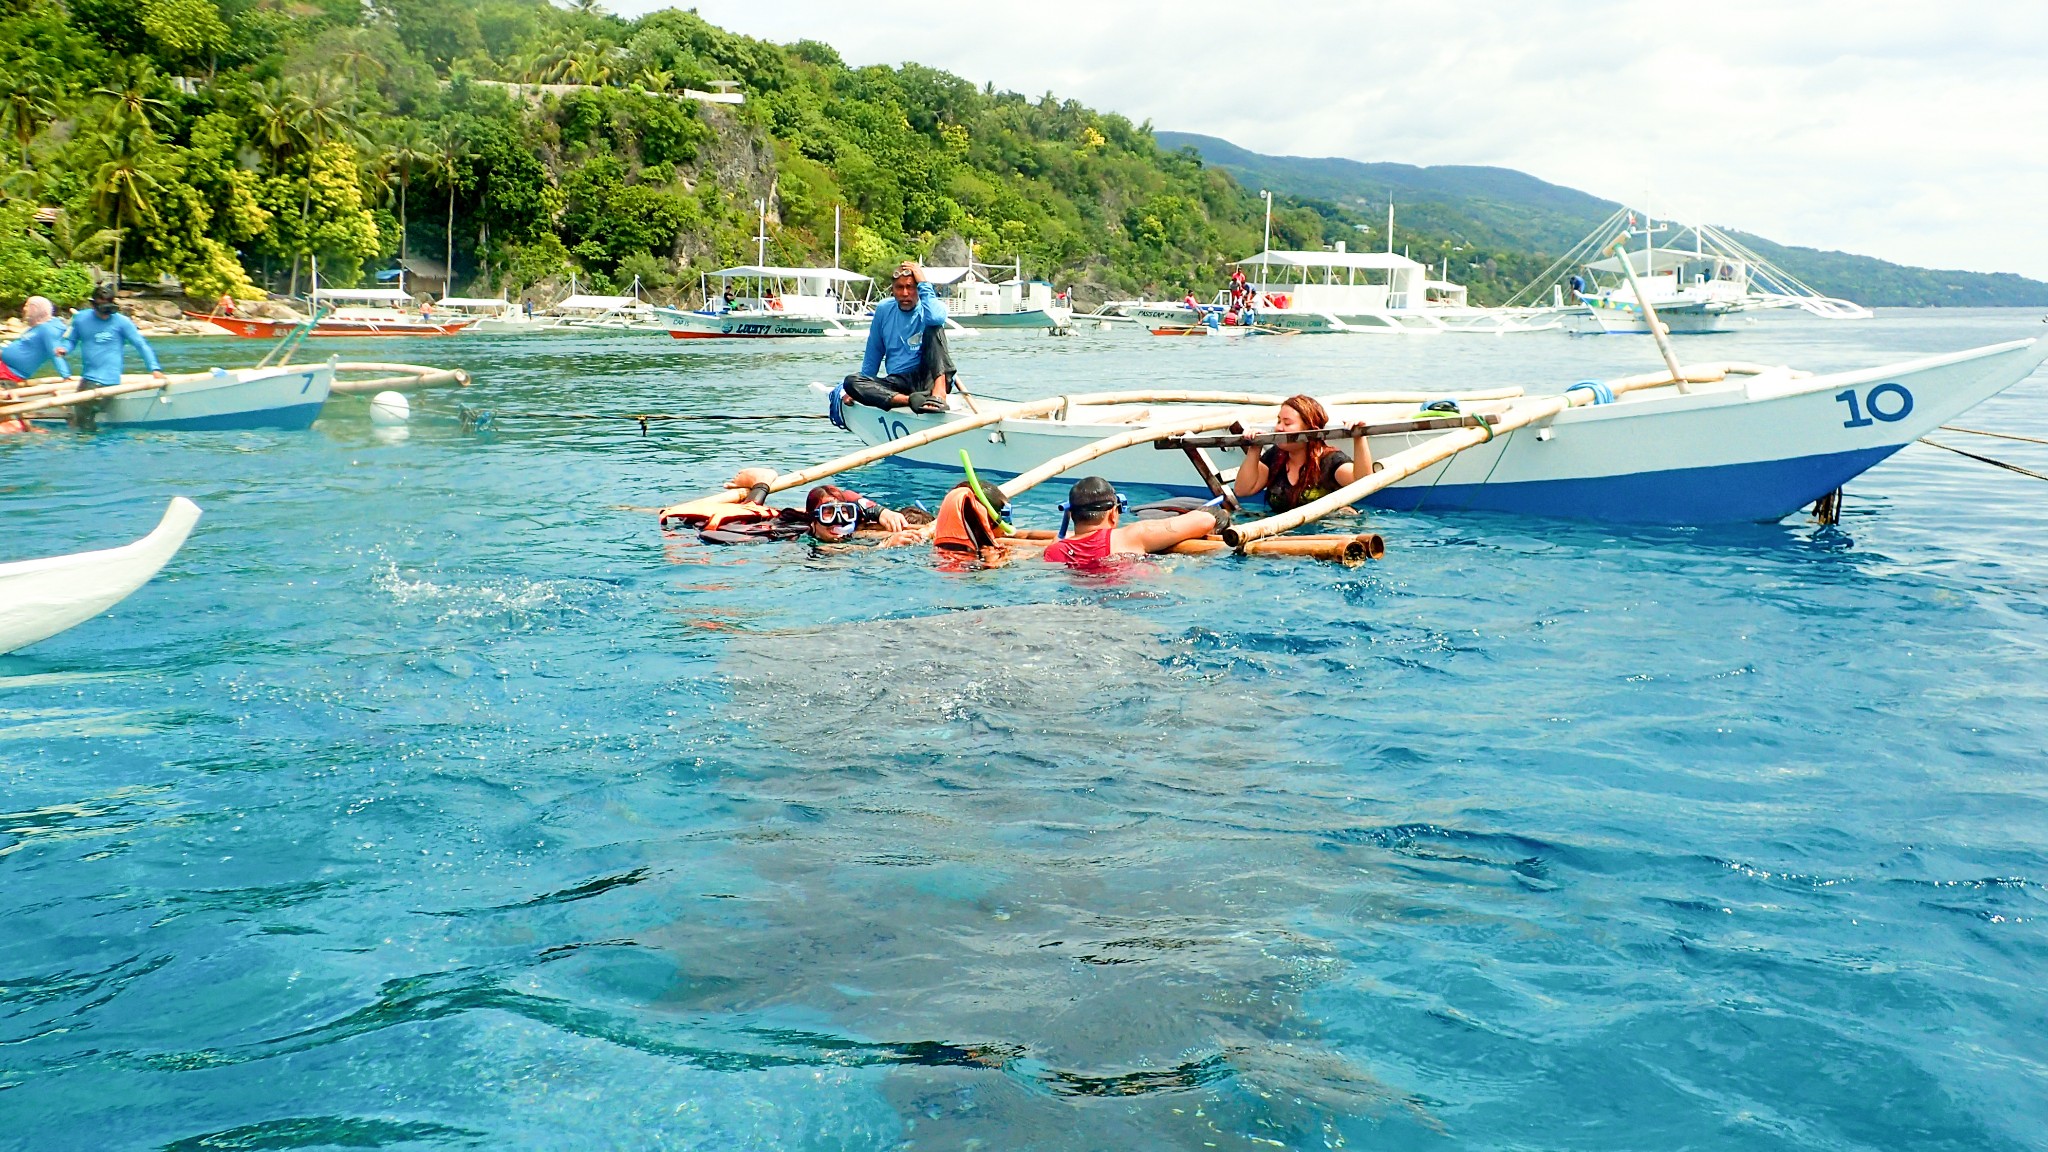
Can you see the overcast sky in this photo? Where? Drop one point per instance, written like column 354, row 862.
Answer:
column 1917, row 132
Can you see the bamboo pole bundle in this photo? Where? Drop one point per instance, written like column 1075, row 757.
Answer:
column 398, row 378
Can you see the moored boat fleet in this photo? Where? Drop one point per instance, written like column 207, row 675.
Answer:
column 1710, row 442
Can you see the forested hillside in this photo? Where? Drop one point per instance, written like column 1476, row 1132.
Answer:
column 1509, row 211
column 229, row 144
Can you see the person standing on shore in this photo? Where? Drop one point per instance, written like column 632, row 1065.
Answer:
column 101, row 335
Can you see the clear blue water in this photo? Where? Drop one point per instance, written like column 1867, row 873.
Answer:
column 433, row 798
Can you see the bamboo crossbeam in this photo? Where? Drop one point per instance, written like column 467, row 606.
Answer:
column 1175, row 443
column 1098, row 448
column 1022, row 409
column 87, row 396
column 1408, row 462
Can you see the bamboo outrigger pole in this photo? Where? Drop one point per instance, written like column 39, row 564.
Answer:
column 1030, row 408
column 1408, row 462
column 88, row 395
column 1026, row 481
column 1650, row 313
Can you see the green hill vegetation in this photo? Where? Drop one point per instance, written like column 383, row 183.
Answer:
column 231, row 143
column 228, row 145
column 1499, row 209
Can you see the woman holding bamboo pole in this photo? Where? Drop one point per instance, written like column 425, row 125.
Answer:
column 1295, row 472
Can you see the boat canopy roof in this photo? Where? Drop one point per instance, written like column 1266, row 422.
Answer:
column 365, row 295
column 751, row 271
column 1297, row 259
column 599, row 302
column 944, row 276
column 472, row 302
column 1658, row 260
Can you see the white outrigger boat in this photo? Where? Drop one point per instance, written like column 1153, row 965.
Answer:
column 973, row 300
column 770, row 302
column 1733, row 442
column 492, row 315
column 286, row 396
column 1372, row 293
column 1694, row 287
column 40, row 598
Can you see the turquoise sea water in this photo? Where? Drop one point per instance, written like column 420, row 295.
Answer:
column 432, row 797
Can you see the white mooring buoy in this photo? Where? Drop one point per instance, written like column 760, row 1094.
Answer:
column 389, row 408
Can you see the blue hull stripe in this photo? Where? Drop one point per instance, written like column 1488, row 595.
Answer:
column 295, row 418
column 1765, row 490
column 1726, row 493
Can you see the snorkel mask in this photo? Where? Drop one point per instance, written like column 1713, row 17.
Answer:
column 835, row 519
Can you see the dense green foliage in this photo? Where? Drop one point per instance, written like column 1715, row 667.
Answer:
column 232, row 143
column 1517, row 222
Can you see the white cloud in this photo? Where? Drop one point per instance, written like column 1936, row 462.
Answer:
column 1910, row 131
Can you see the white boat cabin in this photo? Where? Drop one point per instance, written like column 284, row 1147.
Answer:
column 1671, row 276
column 492, row 308
column 813, row 292
column 374, row 304
column 969, row 293
column 1340, row 283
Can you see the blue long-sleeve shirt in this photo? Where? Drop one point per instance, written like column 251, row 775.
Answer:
column 895, row 335
column 37, row 346
column 99, row 345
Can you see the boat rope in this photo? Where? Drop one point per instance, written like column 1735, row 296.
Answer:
column 1984, row 459
column 1999, row 435
column 479, row 419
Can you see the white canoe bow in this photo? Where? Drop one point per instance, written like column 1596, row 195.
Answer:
column 40, row 598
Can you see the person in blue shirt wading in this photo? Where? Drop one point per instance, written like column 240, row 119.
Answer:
column 100, row 336
column 25, row 357
column 906, row 341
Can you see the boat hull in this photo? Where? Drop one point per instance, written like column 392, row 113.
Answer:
column 1753, row 450
column 259, row 329
column 289, row 398
column 751, row 326
column 1035, row 318
column 40, row 598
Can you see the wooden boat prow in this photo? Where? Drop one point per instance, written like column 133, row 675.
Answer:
column 40, row 598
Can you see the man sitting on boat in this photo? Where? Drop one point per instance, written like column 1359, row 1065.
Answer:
column 1292, row 474
column 908, row 344
column 1095, row 510
column 101, row 335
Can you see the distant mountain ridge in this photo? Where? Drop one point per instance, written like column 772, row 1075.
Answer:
column 1507, row 209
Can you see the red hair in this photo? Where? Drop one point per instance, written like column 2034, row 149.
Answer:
column 1314, row 417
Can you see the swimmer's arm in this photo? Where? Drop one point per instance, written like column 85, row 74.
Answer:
column 1162, row 535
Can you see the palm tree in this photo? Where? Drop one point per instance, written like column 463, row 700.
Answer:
column 322, row 115
column 278, row 113
column 655, row 81
column 354, row 58
column 404, row 147
column 66, row 243
column 133, row 107
column 449, row 154
column 123, row 188
column 25, row 107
